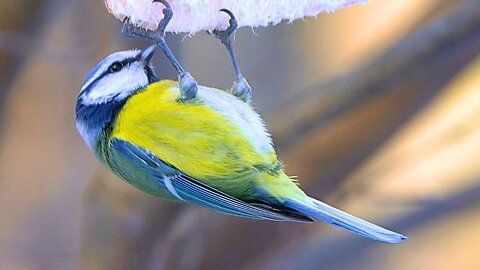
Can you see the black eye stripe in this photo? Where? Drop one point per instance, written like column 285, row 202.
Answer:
column 128, row 61
column 117, row 66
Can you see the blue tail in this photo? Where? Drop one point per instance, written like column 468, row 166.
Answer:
column 331, row 215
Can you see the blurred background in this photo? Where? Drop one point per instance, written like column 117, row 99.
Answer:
column 375, row 108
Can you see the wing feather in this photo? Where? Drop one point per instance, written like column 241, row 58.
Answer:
column 191, row 190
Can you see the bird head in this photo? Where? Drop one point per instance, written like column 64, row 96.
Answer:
column 107, row 88
column 118, row 76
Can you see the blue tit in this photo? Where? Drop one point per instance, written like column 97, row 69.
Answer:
column 206, row 147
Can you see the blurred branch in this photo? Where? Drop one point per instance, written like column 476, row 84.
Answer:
column 429, row 57
column 331, row 251
column 325, row 134
column 16, row 20
column 18, row 45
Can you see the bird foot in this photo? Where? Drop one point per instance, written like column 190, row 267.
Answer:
column 242, row 90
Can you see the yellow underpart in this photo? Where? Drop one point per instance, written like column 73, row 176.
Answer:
column 192, row 137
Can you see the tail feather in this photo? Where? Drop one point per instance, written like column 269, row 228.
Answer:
column 331, row 215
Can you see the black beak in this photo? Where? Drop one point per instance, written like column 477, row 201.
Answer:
column 146, row 54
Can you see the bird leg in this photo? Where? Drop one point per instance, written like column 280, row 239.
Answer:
column 240, row 88
column 188, row 85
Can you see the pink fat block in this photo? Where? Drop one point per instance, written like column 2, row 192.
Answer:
column 191, row 16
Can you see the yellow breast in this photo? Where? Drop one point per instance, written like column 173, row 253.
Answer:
column 193, row 137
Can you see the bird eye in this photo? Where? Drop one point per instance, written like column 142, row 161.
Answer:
column 115, row 67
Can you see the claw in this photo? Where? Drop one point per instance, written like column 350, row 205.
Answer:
column 226, row 34
column 131, row 31
column 167, row 16
column 134, row 32
column 188, row 86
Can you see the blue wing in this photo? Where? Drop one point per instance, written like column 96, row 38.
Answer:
column 191, row 190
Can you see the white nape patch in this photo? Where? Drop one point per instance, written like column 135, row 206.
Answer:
column 239, row 113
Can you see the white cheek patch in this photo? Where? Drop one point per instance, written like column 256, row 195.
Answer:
column 105, row 63
column 118, row 85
